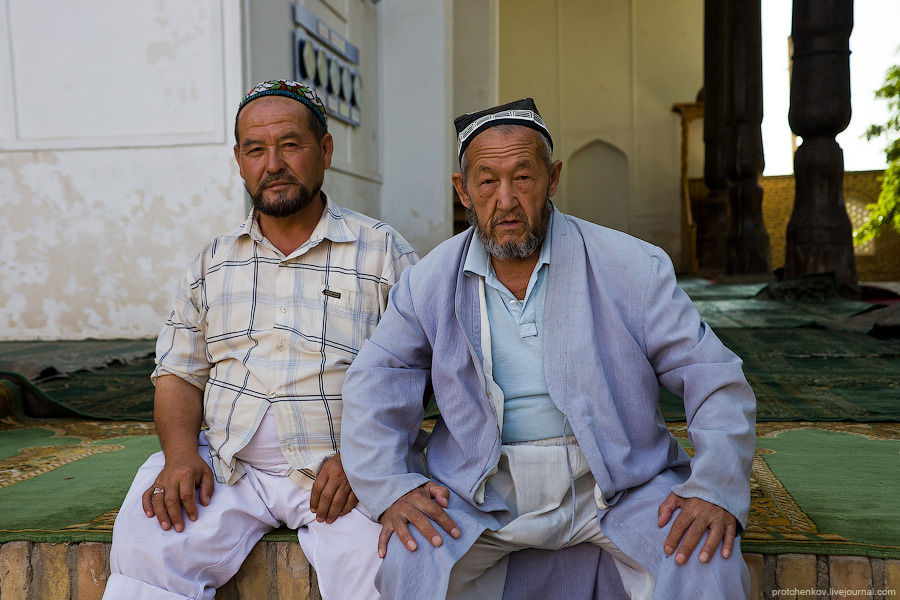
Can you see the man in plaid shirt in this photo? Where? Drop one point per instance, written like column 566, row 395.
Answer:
column 266, row 321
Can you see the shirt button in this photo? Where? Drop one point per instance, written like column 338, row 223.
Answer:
column 284, row 310
column 280, row 347
column 271, row 396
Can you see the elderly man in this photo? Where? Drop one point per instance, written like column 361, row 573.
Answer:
column 546, row 339
column 266, row 321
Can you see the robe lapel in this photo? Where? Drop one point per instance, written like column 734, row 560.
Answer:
column 466, row 306
column 556, row 312
column 568, row 320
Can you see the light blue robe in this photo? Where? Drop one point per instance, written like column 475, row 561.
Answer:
column 617, row 327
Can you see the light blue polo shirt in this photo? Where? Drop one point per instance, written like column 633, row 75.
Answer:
column 517, row 330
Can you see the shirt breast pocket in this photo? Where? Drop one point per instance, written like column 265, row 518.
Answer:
column 351, row 317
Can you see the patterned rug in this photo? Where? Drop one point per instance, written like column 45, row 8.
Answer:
column 798, row 369
column 62, row 480
column 813, row 374
column 705, row 289
column 824, row 488
column 40, row 360
column 753, row 312
column 99, row 379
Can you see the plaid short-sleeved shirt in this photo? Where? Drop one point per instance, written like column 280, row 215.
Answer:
column 254, row 328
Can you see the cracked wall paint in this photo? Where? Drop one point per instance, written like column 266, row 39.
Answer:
column 96, row 240
column 138, row 172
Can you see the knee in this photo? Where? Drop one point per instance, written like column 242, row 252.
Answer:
column 720, row 578
column 402, row 574
column 135, row 543
column 733, row 570
column 139, row 543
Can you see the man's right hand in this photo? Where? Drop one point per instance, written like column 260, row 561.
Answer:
column 416, row 507
column 179, row 480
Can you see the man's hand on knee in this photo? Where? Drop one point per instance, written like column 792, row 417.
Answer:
column 696, row 517
column 175, row 487
column 416, row 507
column 331, row 496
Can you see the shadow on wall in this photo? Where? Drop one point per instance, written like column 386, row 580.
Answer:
column 597, row 189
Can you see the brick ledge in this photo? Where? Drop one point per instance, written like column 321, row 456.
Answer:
column 279, row 571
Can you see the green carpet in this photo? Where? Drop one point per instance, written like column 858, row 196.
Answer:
column 804, row 373
column 823, row 488
column 41, row 359
column 757, row 346
column 752, row 312
column 112, row 382
column 704, row 289
column 119, row 391
column 62, row 479
column 847, row 484
column 737, row 305
column 811, row 374
column 798, row 371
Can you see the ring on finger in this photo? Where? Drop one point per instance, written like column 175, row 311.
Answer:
column 157, row 490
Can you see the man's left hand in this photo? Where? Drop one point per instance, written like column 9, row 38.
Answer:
column 696, row 517
column 331, row 495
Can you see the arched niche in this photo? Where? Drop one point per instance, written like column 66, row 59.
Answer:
column 598, row 187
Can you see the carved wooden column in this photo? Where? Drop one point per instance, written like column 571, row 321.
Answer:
column 712, row 238
column 819, row 231
column 748, row 241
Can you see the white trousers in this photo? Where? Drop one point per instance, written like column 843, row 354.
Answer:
column 149, row 563
column 534, row 479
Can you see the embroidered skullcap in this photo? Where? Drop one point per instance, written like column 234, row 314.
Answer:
column 520, row 112
column 289, row 89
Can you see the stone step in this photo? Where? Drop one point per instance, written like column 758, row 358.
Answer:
column 280, row 571
column 272, row 571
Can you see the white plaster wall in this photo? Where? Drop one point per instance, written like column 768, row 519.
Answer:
column 418, row 148
column 116, row 171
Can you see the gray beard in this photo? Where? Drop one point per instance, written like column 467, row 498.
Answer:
column 283, row 205
column 523, row 249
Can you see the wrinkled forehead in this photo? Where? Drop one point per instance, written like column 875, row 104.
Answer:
column 504, row 145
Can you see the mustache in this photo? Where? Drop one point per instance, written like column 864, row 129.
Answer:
column 516, row 214
column 276, row 178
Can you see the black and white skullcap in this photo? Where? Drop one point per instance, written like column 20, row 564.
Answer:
column 520, row 112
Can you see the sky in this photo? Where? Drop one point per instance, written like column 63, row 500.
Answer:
column 874, row 46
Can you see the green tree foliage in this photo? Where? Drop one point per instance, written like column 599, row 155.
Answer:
column 886, row 211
